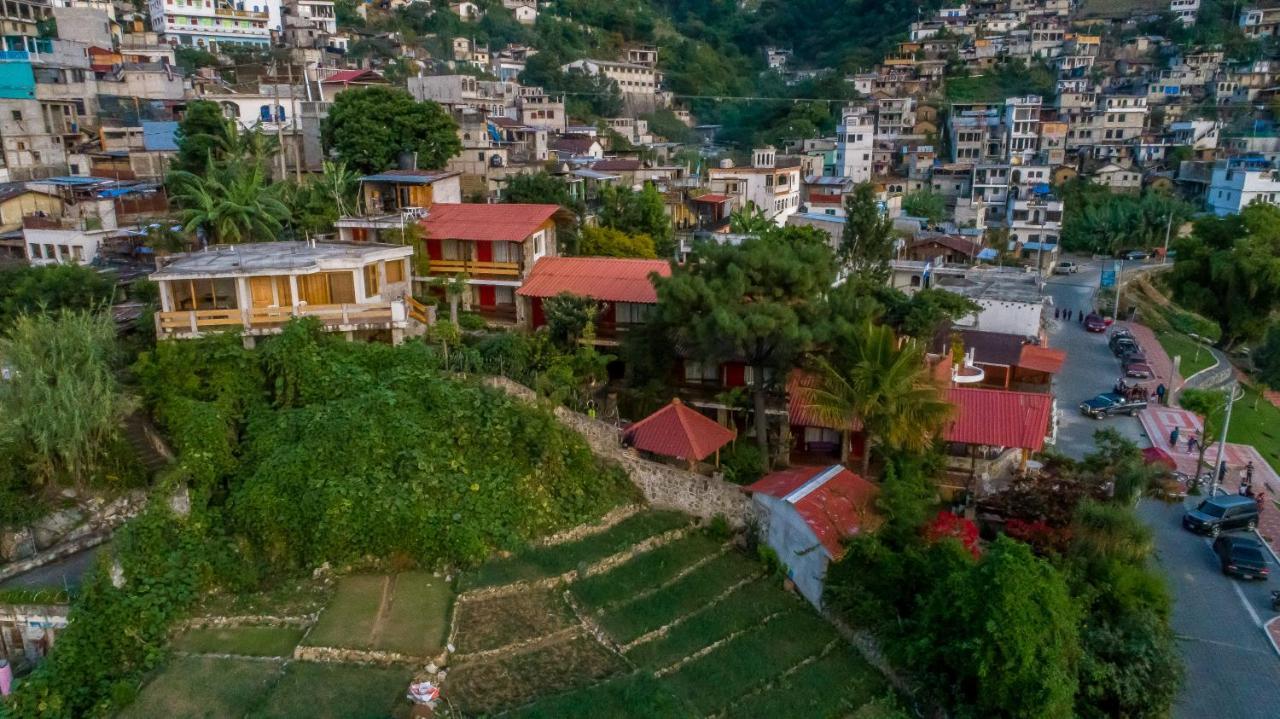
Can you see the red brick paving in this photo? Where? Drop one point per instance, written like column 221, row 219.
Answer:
column 1156, row 356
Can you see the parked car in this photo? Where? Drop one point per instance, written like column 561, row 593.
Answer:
column 1137, row 255
column 1217, row 514
column 1138, row 370
column 1241, row 557
column 1109, row 404
column 1124, row 346
column 1094, row 323
column 1066, row 267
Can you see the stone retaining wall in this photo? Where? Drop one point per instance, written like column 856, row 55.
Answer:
column 664, row 486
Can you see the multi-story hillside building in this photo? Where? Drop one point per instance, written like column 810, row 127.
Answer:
column 855, row 143
column 772, row 186
column 212, row 23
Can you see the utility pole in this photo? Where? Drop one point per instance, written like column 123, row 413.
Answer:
column 275, row 112
column 293, row 113
column 1119, row 277
column 1222, row 441
column 1164, row 259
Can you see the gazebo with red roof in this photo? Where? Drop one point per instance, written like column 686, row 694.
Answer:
column 680, row 432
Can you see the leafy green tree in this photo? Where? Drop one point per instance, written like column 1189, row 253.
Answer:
column 927, row 204
column 866, row 245
column 30, row 290
column 1267, row 357
column 874, row 379
column 231, row 203
column 1007, row 631
column 568, row 317
column 322, row 199
column 202, row 134
column 369, row 127
column 541, row 188
column 1101, row 221
column 759, row 302
column 64, row 406
column 1229, row 271
column 608, row 242
column 1211, row 405
column 641, row 212
column 665, row 124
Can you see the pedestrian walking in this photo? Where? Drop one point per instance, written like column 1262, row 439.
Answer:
column 1081, row 320
column 1261, row 499
column 1057, row 313
column 1173, row 438
column 1160, row 392
column 1222, row 473
column 1191, row 445
column 1248, row 472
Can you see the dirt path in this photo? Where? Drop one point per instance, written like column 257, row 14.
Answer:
column 384, row 607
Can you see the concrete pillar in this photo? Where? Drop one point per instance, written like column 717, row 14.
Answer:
column 293, row 292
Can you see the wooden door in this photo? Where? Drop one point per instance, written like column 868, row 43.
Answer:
column 484, row 251
column 488, row 297
column 284, row 293
column 342, row 288
column 260, row 290
column 313, row 289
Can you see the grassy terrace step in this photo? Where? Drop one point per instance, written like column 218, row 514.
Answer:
column 633, row 695
column 540, row 562
column 238, row 686
column 834, row 685
column 485, row 686
column 505, row 619
column 246, row 641
column 723, row 676
column 694, row 590
column 743, row 609
column 335, row 691
column 348, row 620
column 418, row 619
column 644, row 572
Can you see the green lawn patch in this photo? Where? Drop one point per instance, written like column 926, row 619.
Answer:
column 741, row 610
column 247, row 641
column 335, row 691
column 486, row 686
column 835, row 685
column 633, row 695
column 644, row 572
column 735, row 668
column 1256, row 421
column 289, row 599
column 349, row 618
column 1195, row 357
column 693, row 591
column 503, row 620
column 417, row 622
column 204, row 687
column 539, row 562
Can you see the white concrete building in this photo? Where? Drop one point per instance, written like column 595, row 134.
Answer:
column 855, row 144
column 773, row 189
column 632, row 78
column 210, row 23
column 62, row 246
column 1185, row 10
column 1238, row 182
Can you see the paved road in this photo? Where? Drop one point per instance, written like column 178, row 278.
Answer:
column 1232, row 670
column 66, row 573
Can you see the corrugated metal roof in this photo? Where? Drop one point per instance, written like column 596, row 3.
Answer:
column 486, row 223
column 678, row 431
column 998, row 418
column 834, row 502
column 345, row 76
column 608, row 279
column 711, row 198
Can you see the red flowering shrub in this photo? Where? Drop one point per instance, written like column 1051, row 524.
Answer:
column 947, row 524
column 1042, row 537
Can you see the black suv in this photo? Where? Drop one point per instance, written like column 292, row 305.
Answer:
column 1241, row 557
column 1217, row 514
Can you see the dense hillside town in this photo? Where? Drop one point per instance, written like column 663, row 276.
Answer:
column 679, row 358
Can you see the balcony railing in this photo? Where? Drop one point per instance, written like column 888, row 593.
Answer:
column 194, row 322
column 474, row 267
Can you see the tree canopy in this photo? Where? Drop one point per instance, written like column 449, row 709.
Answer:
column 202, row 134
column 608, row 242
column 29, row 290
column 866, row 245
column 369, row 127
column 641, row 213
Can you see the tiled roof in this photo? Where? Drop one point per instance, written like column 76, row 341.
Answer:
column 998, row 418
column 834, row 502
column 608, row 279
column 1042, row 359
column 799, row 401
column 952, row 242
column 486, row 223
column 578, row 145
column 678, row 431
column 345, row 76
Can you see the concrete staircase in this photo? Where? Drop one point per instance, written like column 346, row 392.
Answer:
column 150, row 448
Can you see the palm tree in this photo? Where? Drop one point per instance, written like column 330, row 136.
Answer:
column 233, row 202
column 340, row 183
column 749, row 220
column 251, row 145
column 886, row 385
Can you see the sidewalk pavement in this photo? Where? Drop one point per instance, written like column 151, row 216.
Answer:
column 1156, row 356
column 1159, row 422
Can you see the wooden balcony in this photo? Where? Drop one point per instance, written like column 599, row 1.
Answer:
column 474, row 268
column 268, row 320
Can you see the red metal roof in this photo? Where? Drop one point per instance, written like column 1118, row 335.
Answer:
column 608, row 279
column 680, row 432
column 1042, row 359
column 711, row 198
column 486, row 223
column 616, row 165
column 833, row 501
column 799, row 404
column 999, row 418
column 343, row 77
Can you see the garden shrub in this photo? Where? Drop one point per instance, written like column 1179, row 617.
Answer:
column 743, row 463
